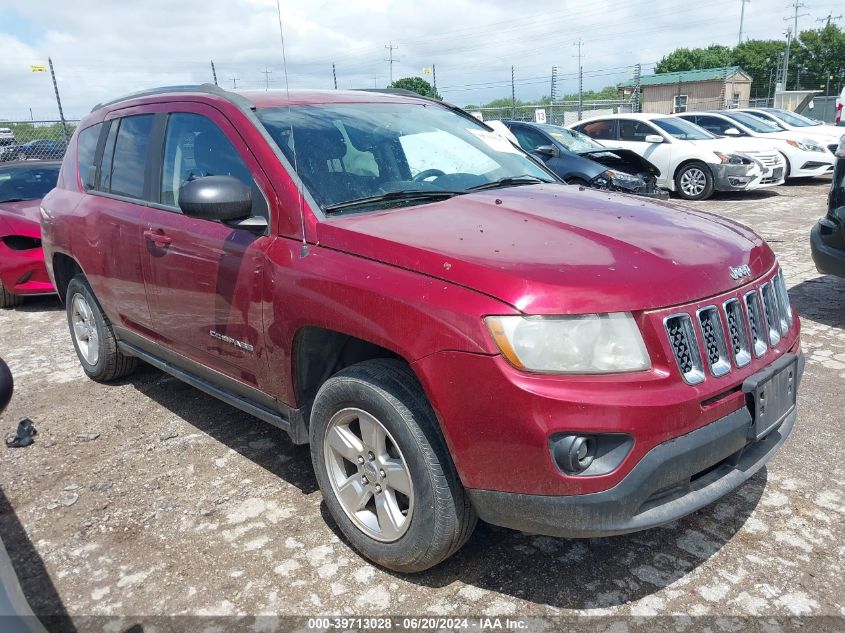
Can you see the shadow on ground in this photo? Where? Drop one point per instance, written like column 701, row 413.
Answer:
column 590, row 573
column 32, row 575
column 47, row 303
column 259, row 441
column 821, row 300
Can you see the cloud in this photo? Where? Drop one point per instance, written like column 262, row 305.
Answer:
column 108, row 48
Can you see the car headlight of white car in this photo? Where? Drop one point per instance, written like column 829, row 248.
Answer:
column 578, row 344
column 732, row 159
column 806, row 146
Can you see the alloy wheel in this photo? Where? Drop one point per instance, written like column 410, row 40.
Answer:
column 368, row 474
column 693, row 181
column 85, row 331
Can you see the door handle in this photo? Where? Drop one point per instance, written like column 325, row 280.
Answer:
column 157, row 238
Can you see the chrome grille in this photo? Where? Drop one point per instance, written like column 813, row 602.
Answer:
column 737, row 332
column 770, row 306
column 756, row 322
column 714, row 340
column 681, row 335
column 784, row 307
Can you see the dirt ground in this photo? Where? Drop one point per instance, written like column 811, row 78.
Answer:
column 149, row 498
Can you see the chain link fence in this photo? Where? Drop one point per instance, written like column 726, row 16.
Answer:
column 34, row 140
column 557, row 113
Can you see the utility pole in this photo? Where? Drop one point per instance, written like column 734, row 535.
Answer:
column 390, row 47
column 434, row 77
column 580, row 81
column 234, row 82
column 830, row 17
column 513, row 96
column 58, row 100
column 635, row 93
column 796, row 5
column 213, row 72
column 553, row 95
column 267, row 72
column 334, row 76
column 374, row 81
column 742, row 19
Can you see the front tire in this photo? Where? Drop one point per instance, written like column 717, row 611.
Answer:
column 93, row 337
column 384, row 470
column 7, row 299
column 694, row 181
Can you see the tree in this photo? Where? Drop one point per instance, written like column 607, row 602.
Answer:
column 714, row 56
column 820, row 54
column 761, row 60
column 418, row 85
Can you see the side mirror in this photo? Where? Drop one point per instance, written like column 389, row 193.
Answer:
column 732, row 131
column 654, row 138
column 546, row 150
column 221, row 198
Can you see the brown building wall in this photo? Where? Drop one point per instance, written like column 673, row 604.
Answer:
column 702, row 95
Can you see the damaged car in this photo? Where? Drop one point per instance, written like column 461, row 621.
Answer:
column 693, row 162
column 579, row 160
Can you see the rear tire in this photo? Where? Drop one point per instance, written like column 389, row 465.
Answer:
column 7, row 299
column 92, row 335
column 358, row 464
column 694, row 181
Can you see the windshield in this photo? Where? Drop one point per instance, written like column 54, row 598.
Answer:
column 683, row 130
column 753, row 123
column 27, row 182
column 357, row 151
column 572, row 140
column 794, row 119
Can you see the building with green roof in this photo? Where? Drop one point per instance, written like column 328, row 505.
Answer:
column 703, row 89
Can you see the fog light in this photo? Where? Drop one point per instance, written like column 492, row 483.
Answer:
column 575, row 453
column 588, row 455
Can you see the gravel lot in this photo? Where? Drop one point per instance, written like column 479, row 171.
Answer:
column 148, row 497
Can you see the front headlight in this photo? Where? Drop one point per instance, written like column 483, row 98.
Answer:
column 732, row 159
column 621, row 179
column 806, row 146
column 580, row 344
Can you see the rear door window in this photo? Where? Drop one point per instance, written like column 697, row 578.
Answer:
column 130, row 156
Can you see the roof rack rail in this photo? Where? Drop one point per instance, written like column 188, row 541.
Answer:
column 201, row 88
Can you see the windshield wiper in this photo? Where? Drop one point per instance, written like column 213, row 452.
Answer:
column 402, row 195
column 14, row 200
column 511, row 181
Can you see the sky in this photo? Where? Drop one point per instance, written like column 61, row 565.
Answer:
column 107, row 48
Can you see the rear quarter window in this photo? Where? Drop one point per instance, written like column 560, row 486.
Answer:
column 86, row 153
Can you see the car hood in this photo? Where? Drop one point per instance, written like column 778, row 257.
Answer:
column 627, row 155
column 23, row 210
column 557, row 249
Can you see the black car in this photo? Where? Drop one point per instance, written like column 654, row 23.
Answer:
column 579, row 160
column 44, row 149
column 827, row 239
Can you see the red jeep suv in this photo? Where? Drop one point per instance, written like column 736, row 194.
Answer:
column 456, row 333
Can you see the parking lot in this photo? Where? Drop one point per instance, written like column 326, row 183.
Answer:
column 149, row 497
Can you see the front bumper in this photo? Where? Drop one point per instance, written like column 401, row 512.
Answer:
column 829, row 260
column 24, row 272
column 736, row 177
column 672, row 480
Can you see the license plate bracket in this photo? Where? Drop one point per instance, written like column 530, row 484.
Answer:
column 777, row 173
column 771, row 396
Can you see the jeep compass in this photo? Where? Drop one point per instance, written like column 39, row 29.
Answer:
column 456, row 333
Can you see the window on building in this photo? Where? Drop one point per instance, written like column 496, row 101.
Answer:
column 680, row 104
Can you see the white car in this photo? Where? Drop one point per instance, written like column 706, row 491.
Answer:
column 693, row 163
column 7, row 137
column 827, row 135
column 806, row 156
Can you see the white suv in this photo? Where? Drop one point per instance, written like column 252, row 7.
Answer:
column 692, row 162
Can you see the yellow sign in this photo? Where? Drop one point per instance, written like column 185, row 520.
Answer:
column 38, row 68
column 426, row 71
